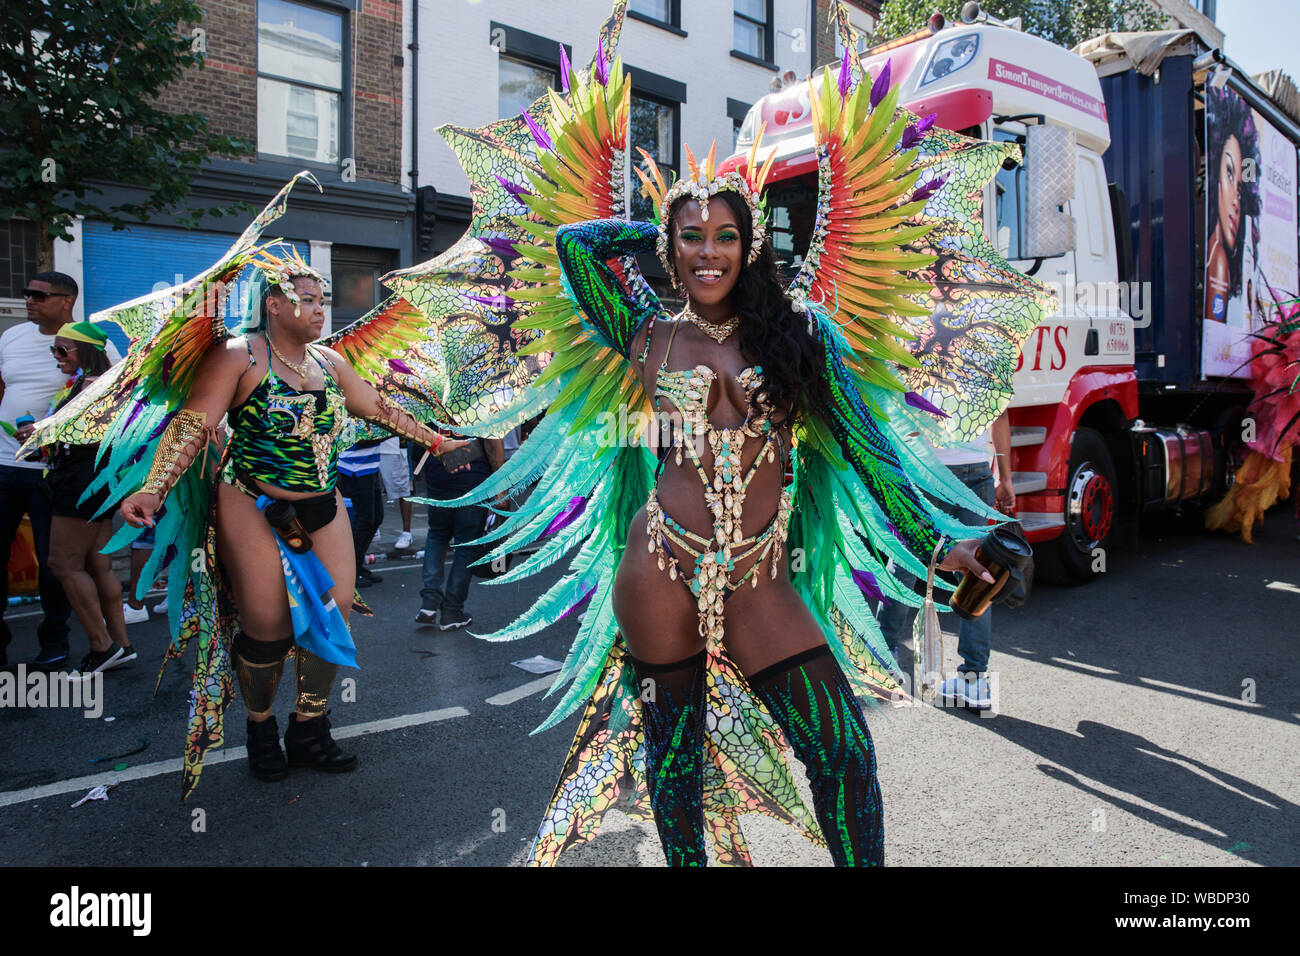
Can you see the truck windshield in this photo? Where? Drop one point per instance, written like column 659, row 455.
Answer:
column 791, row 214
column 1010, row 187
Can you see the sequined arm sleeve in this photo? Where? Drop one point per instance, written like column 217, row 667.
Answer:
column 404, row 425
column 185, row 438
column 599, row 275
column 867, row 448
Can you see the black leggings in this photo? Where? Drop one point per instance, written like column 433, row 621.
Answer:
column 813, row 703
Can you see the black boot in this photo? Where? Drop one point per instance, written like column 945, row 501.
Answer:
column 814, row 704
column 309, row 744
column 265, row 758
column 672, row 713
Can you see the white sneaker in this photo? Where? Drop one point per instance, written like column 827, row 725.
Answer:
column 966, row 690
column 403, row 541
column 160, row 607
column 134, row 615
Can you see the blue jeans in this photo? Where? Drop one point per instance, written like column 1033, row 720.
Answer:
column 445, row 526
column 20, row 493
column 973, row 637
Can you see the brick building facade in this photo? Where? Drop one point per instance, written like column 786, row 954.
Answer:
column 311, row 84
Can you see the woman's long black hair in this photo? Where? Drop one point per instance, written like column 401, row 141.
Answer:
column 91, row 361
column 1232, row 117
column 772, row 334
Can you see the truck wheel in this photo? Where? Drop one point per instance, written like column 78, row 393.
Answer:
column 1091, row 508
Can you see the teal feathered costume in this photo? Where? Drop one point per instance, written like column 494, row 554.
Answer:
column 913, row 306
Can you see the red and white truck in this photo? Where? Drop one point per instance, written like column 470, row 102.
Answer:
column 1112, row 414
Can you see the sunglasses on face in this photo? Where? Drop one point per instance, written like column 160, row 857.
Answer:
column 36, row 295
column 60, row 351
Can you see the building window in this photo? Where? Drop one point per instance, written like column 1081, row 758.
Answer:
column 17, row 257
column 654, row 128
column 354, row 280
column 753, row 29
column 520, row 83
column 300, row 81
column 666, row 13
column 737, row 110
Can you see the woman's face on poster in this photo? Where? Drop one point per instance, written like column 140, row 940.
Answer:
column 1230, row 191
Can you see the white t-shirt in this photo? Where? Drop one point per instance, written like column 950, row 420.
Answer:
column 978, row 451
column 32, row 378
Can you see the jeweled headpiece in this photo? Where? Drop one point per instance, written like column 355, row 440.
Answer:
column 280, row 271
column 701, row 185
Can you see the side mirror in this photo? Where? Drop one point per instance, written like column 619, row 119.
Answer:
column 1049, row 173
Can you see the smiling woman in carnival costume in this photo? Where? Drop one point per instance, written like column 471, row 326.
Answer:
column 725, row 608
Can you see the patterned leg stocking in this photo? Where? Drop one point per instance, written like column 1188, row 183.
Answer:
column 672, row 711
column 814, row 704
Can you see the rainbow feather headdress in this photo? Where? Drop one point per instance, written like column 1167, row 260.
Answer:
column 280, row 271
column 701, row 185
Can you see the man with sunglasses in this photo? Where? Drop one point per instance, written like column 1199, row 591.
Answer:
column 29, row 380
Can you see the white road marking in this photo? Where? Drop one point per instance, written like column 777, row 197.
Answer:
column 224, row 755
column 1202, row 694
column 1283, row 586
column 1082, row 666
column 519, row 693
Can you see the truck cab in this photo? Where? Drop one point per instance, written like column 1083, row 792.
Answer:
column 1077, row 459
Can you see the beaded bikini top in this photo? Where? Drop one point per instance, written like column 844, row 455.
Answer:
column 716, row 558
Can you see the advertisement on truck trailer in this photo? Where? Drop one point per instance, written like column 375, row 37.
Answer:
column 1250, row 216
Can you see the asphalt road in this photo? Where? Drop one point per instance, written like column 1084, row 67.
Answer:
column 1151, row 718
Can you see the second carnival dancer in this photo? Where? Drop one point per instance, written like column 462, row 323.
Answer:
column 724, row 610
column 276, row 522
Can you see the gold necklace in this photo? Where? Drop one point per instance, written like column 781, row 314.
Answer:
column 719, row 332
column 300, row 368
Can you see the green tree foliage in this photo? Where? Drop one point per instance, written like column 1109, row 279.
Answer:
column 1065, row 23
column 79, row 87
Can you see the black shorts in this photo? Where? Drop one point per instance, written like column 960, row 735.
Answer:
column 65, row 486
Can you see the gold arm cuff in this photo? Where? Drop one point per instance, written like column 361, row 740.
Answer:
column 404, row 425
column 179, row 446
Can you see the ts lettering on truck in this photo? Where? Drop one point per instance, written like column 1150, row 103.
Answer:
column 1056, row 337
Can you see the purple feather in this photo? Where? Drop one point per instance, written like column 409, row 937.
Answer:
column 929, row 189
column 168, row 361
column 881, row 86
column 397, row 365
column 866, row 582
column 925, row 124
column 496, row 301
column 602, row 68
column 134, row 414
column 540, row 136
column 565, row 67
column 572, row 511
column 519, row 192
column 160, row 427
column 846, row 75
column 503, row 247
column 578, row 603
column 916, row 401
column 911, row 136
